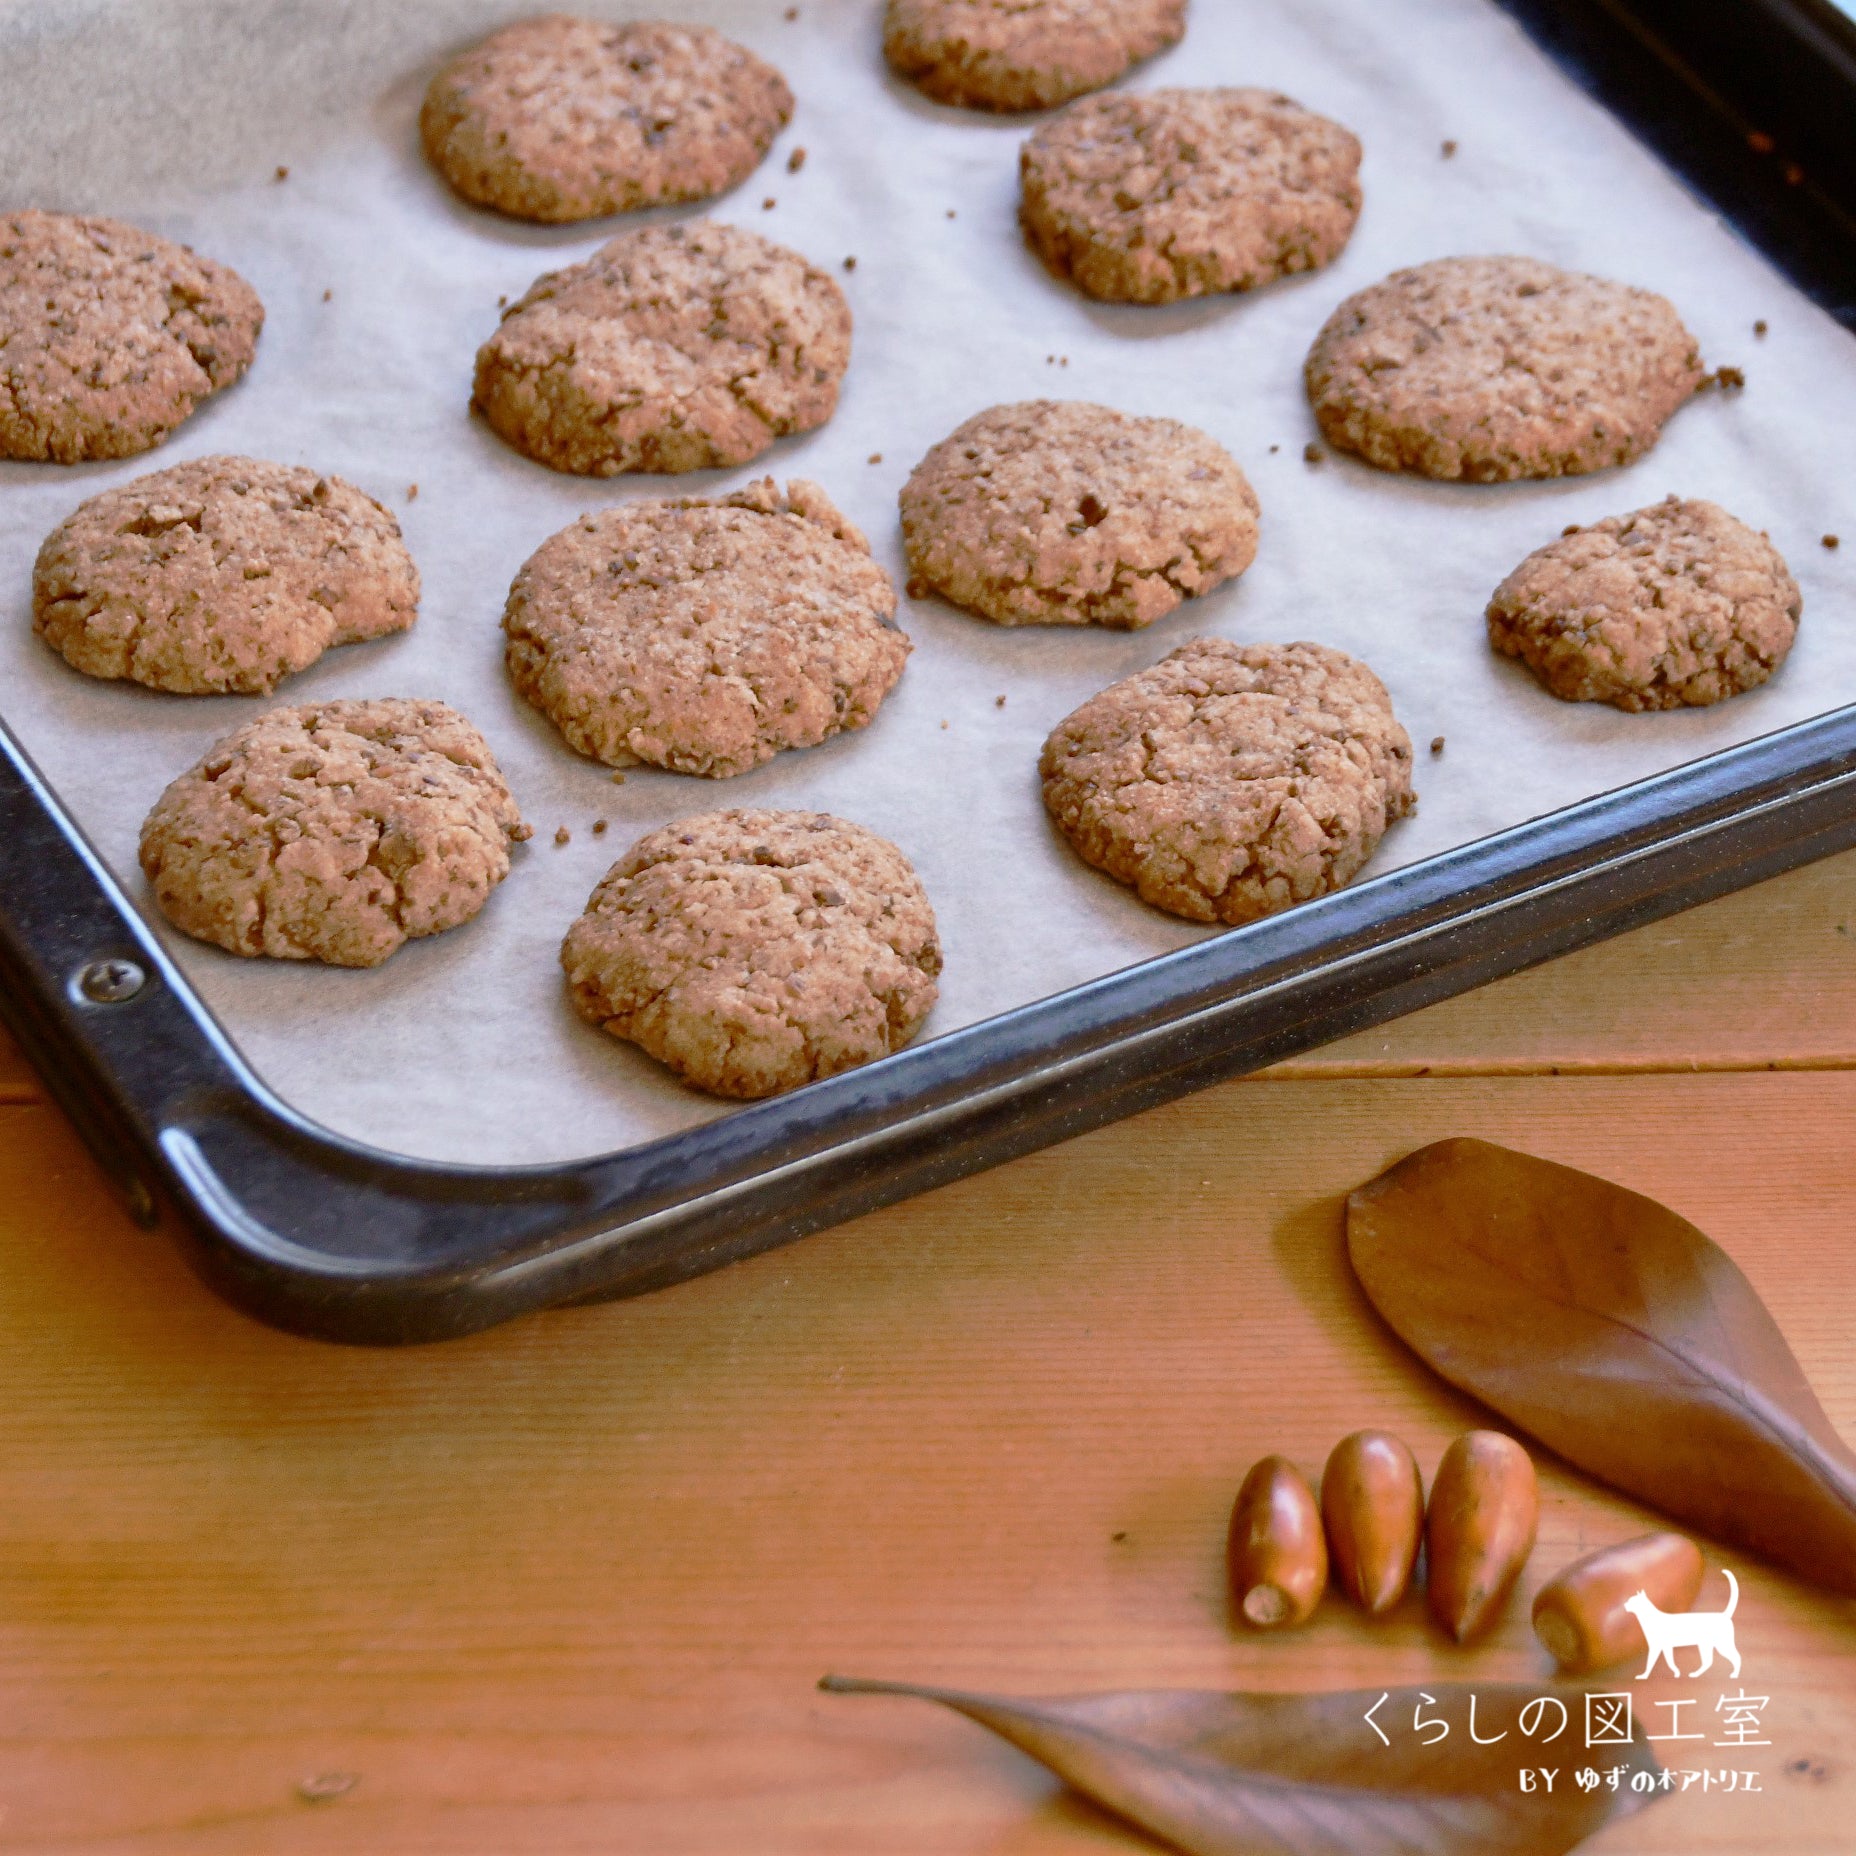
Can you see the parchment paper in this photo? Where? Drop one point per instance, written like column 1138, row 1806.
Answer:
column 176, row 113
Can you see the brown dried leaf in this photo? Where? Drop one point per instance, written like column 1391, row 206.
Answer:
column 1305, row 1775
column 1617, row 1334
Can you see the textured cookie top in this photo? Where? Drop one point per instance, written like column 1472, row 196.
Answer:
column 333, row 832
column 1023, row 54
column 754, row 951
column 110, row 336
column 1678, row 604
column 1495, row 368
column 1057, row 512
column 559, row 119
column 222, row 573
column 1148, row 196
column 672, row 348
column 705, row 636
column 1229, row 781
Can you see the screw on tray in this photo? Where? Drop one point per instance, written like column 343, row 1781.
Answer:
column 110, row 982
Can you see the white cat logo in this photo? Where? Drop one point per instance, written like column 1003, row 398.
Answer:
column 1668, row 1631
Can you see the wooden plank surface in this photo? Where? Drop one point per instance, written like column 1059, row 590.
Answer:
column 567, row 1586
column 1649, row 1000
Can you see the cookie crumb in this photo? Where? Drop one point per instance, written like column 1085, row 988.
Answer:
column 952, row 214
column 1833, row 542
column 563, row 836
column 281, row 174
column 1729, row 379
column 412, row 492
column 618, row 779
column 1759, row 141
column 795, row 161
column 1437, row 744
column 502, row 302
column 1759, row 328
column 998, row 702
column 1119, row 1537
column 850, row 264
column 326, row 1787
column 599, row 828
column 328, row 296
column 1063, row 360
column 943, row 724
column 768, row 204
column 1312, row 453
column 876, row 457
column 791, row 14
column 1449, row 149
column 523, row 832
column 1274, row 449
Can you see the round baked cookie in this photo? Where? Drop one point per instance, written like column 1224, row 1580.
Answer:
column 1678, row 605
column 1488, row 369
column 673, row 348
column 1057, row 512
column 755, row 951
column 559, row 119
column 1231, row 780
column 335, row 832
column 221, row 574
column 705, row 636
column 110, row 336
column 1023, row 54
column 1150, row 196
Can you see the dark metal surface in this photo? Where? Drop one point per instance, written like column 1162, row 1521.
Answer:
column 318, row 1234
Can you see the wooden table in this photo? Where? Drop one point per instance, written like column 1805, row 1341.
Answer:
column 568, row 1586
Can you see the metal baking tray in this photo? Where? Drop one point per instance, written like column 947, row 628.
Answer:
column 1753, row 103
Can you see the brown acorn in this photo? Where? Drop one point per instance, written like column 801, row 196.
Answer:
column 1579, row 1613
column 1479, row 1529
column 1372, row 1504
column 1276, row 1552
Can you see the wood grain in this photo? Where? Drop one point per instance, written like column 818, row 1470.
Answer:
column 567, row 1586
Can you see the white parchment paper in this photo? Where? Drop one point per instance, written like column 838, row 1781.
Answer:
column 176, row 113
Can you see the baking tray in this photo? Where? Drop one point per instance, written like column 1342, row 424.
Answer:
column 1754, row 104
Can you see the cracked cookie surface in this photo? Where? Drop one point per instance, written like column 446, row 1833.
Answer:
column 1058, row 512
column 221, row 574
column 110, row 336
column 1490, row 369
column 558, row 119
column 1023, row 54
column 336, row 832
column 753, row 951
column 1674, row 606
column 1151, row 196
column 672, row 348
column 705, row 636
column 1229, row 781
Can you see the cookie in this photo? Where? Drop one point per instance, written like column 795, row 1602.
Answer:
column 1150, row 196
column 755, row 951
column 221, row 574
column 673, row 348
column 1489, row 369
column 1057, row 512
column 1023, row 54
column 335, row 832
column 705, row 636
column 1678, row 605
column 558, row 119
column 1229, row 781
column 110, row 336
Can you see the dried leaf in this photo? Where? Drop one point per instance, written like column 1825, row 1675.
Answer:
column 1617, row 1334
column 1306, row 1775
